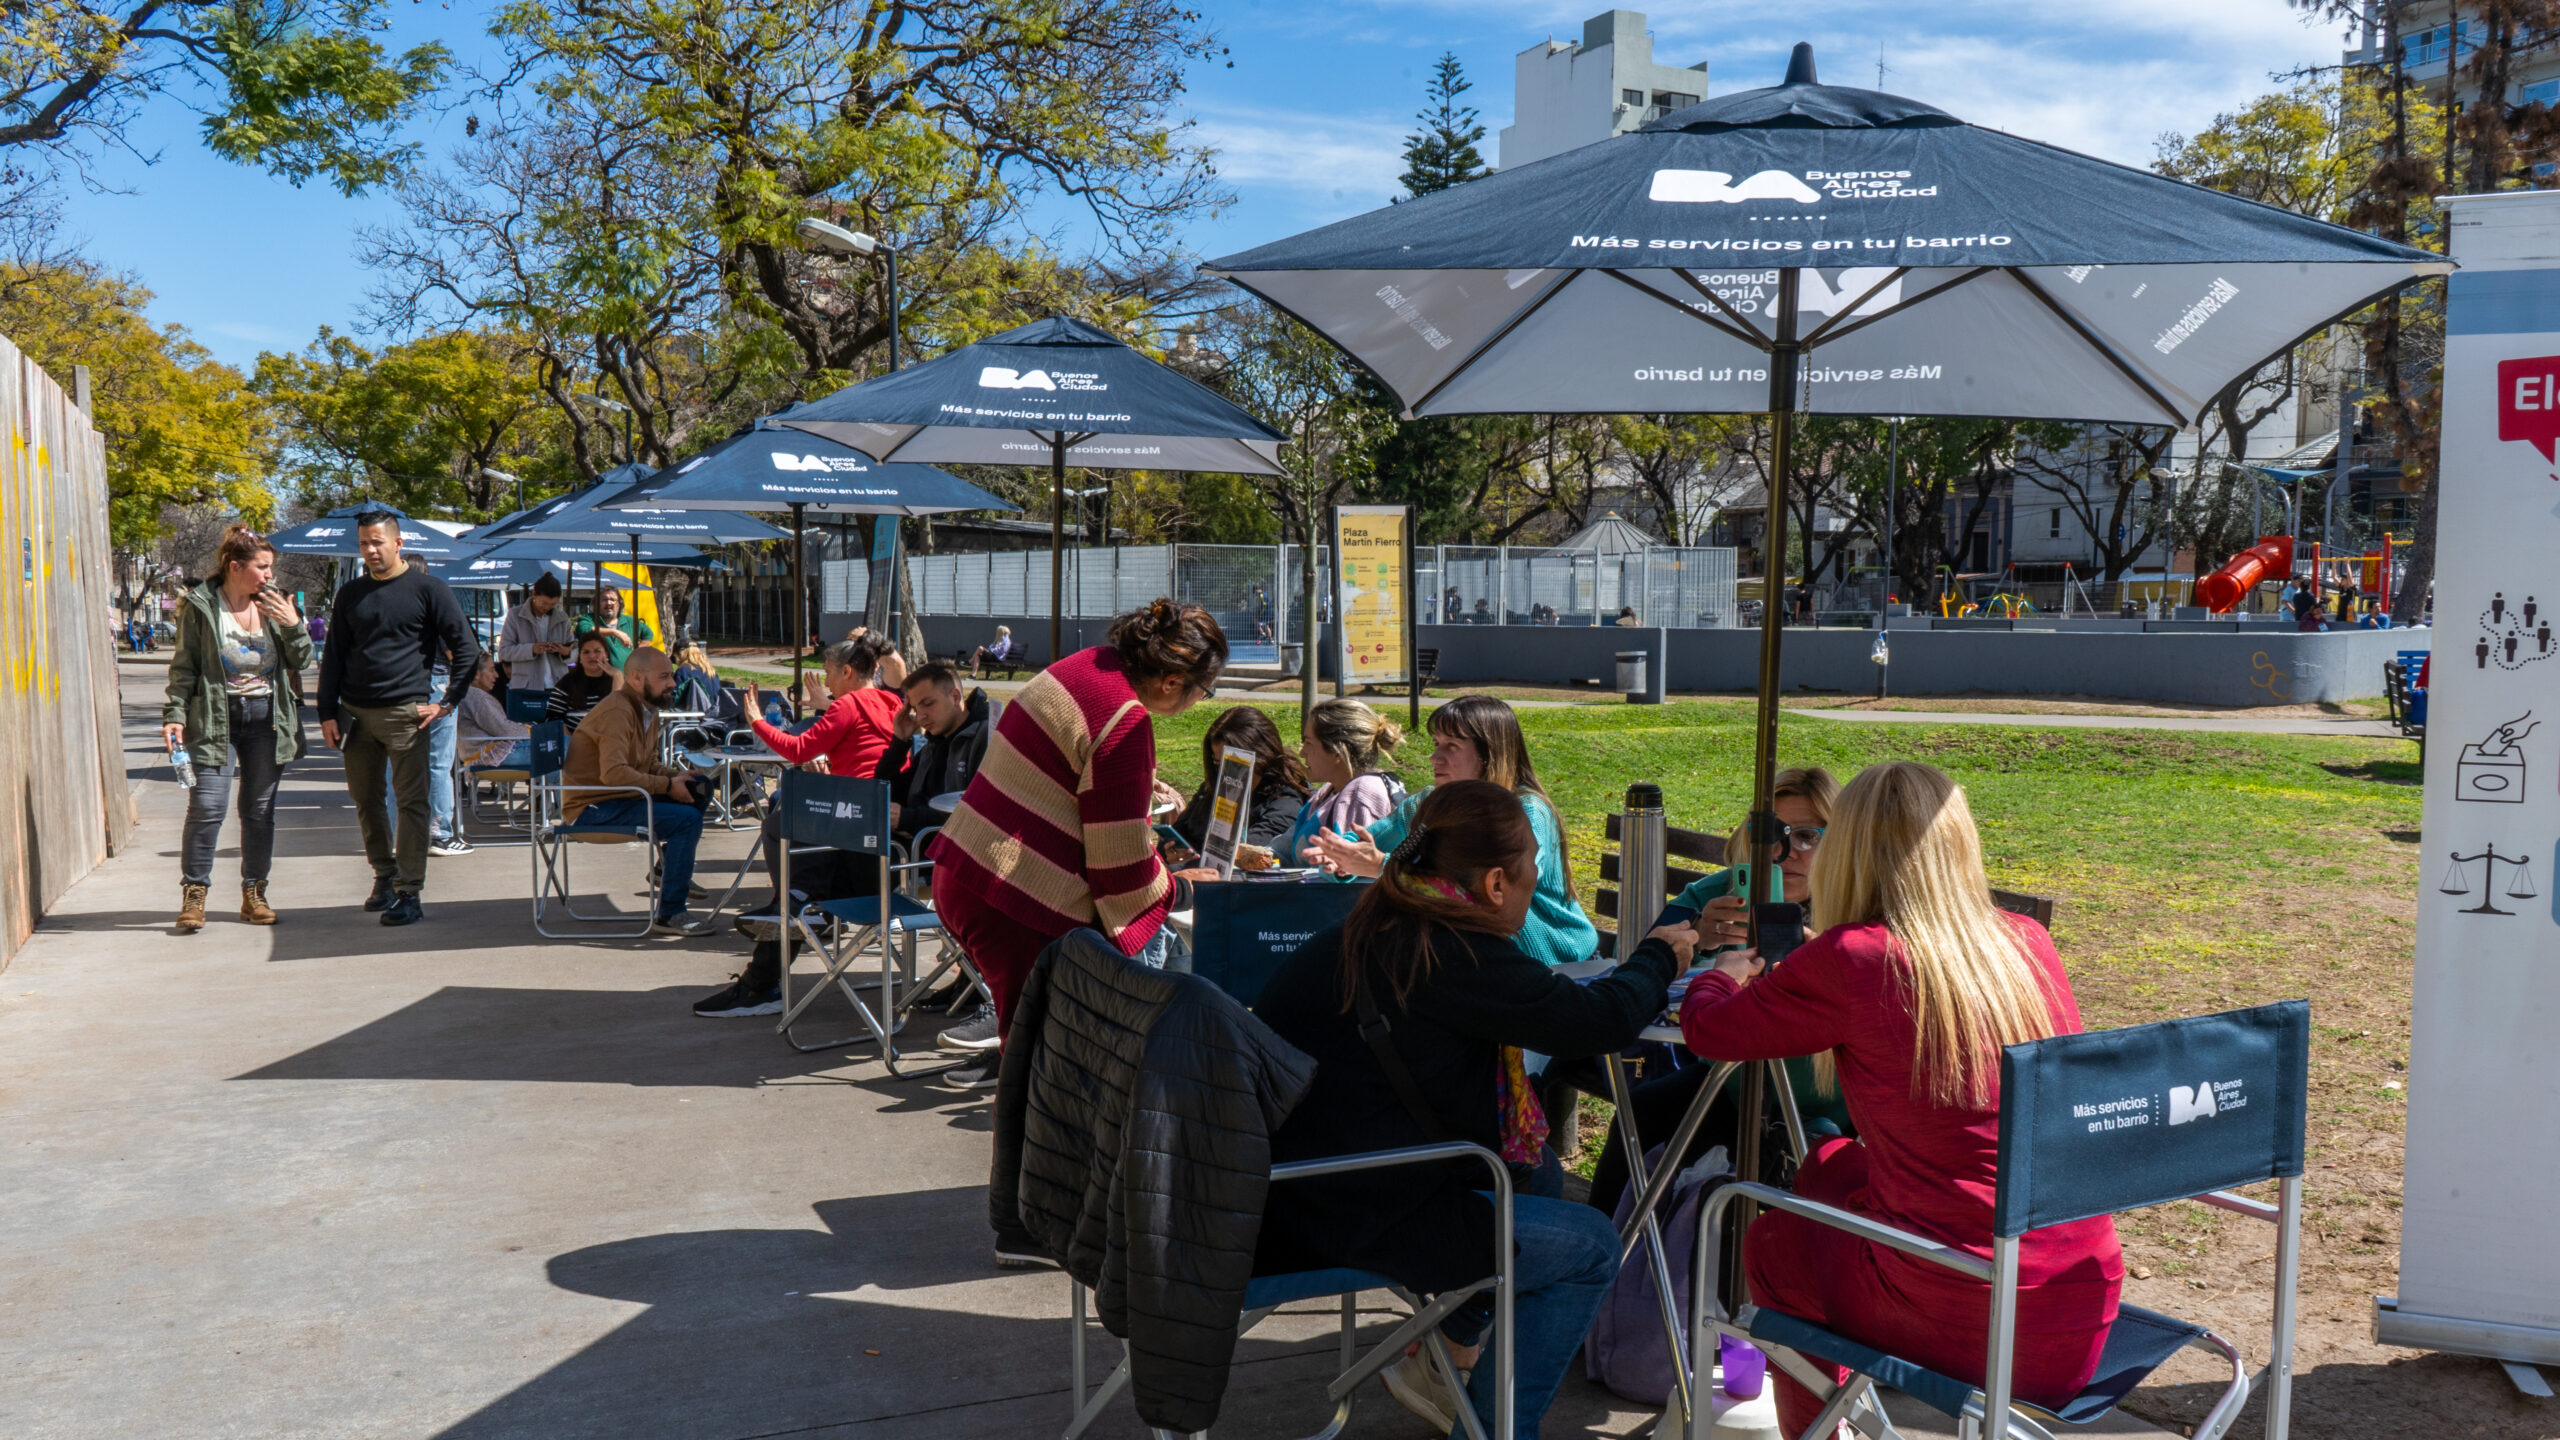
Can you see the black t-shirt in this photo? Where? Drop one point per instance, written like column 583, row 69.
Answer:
column 385, row 636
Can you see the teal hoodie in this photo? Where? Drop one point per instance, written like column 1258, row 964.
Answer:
column 1556, row 932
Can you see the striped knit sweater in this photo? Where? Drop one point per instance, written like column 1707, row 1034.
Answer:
column 1053, row 829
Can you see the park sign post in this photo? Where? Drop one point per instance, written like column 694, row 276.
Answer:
column 1373, row 593
column 2479, row 1272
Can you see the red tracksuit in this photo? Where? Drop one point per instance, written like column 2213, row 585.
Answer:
column 1918, row 1166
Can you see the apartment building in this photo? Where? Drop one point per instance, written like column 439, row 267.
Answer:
column 1567, row 95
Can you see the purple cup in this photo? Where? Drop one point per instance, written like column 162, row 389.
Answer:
column 1744, row 1367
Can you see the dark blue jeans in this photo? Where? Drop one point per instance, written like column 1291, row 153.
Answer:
column 679, row 827
column 1567, row 1255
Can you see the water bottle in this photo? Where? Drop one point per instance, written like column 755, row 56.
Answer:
column 185, row 767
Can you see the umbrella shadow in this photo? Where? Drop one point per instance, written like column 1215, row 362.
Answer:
column 759, row 1332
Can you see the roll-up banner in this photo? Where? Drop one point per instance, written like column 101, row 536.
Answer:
column 2479, row 1268
column 1371, row 592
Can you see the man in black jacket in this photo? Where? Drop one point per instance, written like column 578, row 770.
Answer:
column 377, row 706
column 955, row 732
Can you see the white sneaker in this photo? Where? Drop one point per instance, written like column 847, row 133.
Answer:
column 972, row 1077
column 449, row 845
column 1417, row 1386
column 978, row 1032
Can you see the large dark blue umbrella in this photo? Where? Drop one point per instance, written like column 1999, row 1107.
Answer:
column 772, row 469
column 1828, row 250
column 1048, row 393
column 334, row 534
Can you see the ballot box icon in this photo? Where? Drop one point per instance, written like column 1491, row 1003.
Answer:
column 2492, row 769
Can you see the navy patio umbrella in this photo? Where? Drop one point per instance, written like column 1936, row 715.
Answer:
column 1827, row 250
column 1051, row 392
column 579, row 516
column 334, row 534
column 769, row 468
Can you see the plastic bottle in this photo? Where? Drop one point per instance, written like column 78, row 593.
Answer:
column 185, row 767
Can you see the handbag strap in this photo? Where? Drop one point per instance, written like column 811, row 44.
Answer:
column 1375, row 1029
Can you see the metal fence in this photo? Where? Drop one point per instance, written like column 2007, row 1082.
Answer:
column 1254, row 590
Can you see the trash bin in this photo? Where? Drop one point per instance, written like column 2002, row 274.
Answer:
column 1292, row 659
column 1631, row 677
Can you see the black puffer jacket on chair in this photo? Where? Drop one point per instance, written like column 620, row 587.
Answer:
column 1134, row 1112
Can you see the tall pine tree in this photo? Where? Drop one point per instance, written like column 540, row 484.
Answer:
column 1443, row 153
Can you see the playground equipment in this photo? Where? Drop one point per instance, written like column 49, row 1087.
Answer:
column 2223, row 589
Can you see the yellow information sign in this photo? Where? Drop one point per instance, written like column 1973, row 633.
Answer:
column 1372, row 589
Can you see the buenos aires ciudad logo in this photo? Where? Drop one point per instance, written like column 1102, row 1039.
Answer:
column 1717, row 187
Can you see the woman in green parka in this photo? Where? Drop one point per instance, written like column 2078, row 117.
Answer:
column 241, row 646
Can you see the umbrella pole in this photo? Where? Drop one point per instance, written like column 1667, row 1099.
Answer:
column 635, row 590
column 799, row 598
column 1766, row 883
column 1057, row 539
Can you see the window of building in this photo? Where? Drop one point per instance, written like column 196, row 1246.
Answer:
column 2437, row 45
column 1668, row 100
column 2541, row 92
column 1631, row 97
column 2053, row 525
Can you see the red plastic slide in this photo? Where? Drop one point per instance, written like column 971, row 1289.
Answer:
column 2222, row 589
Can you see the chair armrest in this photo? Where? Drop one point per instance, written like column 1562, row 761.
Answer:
column 1875, row 1231
column 2239, row 1204
column 1409, row 1155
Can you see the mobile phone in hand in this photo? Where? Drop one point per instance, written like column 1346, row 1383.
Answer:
column 1777, row 928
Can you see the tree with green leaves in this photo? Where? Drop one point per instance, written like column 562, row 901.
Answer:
column 298, row 88
column 1443, row 152
column 181, row 428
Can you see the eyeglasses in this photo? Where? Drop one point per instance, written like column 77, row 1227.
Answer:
column 1801, row 837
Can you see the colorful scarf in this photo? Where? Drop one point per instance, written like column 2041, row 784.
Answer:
column 1523, row 1120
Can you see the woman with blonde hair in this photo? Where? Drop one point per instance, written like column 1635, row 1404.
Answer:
column 1348, row 749
column 1913, row 985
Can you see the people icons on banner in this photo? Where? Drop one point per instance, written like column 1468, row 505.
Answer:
column 2495, row 867
column 2492, row 769
column 2512, row 636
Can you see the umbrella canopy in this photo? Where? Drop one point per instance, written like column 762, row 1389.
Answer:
column 774, row 469
column 335, row 534
column 1012, row 398
column 564, row 547
column 1828, row 250
column 1909, row 263
column 1050, row 392
column 582, row 516
column 482, row 573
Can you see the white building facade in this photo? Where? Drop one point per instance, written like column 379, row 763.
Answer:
column 1566, row 96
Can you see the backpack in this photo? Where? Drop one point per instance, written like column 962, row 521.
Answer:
column 1624, row 1349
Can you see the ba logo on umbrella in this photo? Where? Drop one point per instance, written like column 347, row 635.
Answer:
column 1002, row 377
column 785, row 460
column 1700, row 187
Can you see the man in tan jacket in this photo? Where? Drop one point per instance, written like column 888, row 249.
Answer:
column 617, row 745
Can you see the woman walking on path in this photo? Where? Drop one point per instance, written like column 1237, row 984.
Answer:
column 232, row 690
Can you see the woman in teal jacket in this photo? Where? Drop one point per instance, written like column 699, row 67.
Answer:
column 1476, row 737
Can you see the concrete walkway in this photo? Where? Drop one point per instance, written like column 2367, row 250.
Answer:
column 334, row 1180
column 2240, row 724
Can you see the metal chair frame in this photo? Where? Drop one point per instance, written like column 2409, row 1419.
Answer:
column 552, row 837
column 893, row 932
column 1994, row 1396
column 1423, row 1324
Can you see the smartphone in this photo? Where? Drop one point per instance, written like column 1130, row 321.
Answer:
column 1171, row 836
column 1777, row 928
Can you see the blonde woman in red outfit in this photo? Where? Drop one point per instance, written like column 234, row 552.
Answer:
column 1906, row 996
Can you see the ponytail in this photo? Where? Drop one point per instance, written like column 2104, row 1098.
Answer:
column 1461, row 830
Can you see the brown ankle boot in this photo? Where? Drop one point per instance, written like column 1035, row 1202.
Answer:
column 253, row 903
column 191, row 908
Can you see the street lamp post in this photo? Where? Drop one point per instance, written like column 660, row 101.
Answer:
column 629, row 456
column 503, row 478
column 826, row 236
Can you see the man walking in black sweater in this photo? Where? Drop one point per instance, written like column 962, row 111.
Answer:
column 376, row 703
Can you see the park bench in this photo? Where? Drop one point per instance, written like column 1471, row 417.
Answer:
column 1009, row 664
column 2408, row 703
column 1426, row 666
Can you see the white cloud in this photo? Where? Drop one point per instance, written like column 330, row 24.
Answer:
column 1332, row 157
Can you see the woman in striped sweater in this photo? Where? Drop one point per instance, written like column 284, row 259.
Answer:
column 1053, row 833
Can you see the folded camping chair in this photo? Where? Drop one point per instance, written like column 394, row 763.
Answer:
column 553, row 836
column 525, row 707
column 2090, row 1124
column 842, row 813
column 1242, row 931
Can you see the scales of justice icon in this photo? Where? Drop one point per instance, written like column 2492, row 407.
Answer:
column 2457, row 879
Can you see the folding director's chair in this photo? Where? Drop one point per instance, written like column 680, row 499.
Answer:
column 553, row 837
column 2090, row 1124
column 525, row 707
column 840, row 812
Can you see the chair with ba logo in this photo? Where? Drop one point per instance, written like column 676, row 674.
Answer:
column 843, row 813
column 2091, row 1124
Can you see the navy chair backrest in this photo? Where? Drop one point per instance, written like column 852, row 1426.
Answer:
column 839, row 812
column 550, row 749
column 2114, row 1120
column 528, row 707
column 1241, row 930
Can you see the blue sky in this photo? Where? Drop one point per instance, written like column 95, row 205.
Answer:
column 1308, row 123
